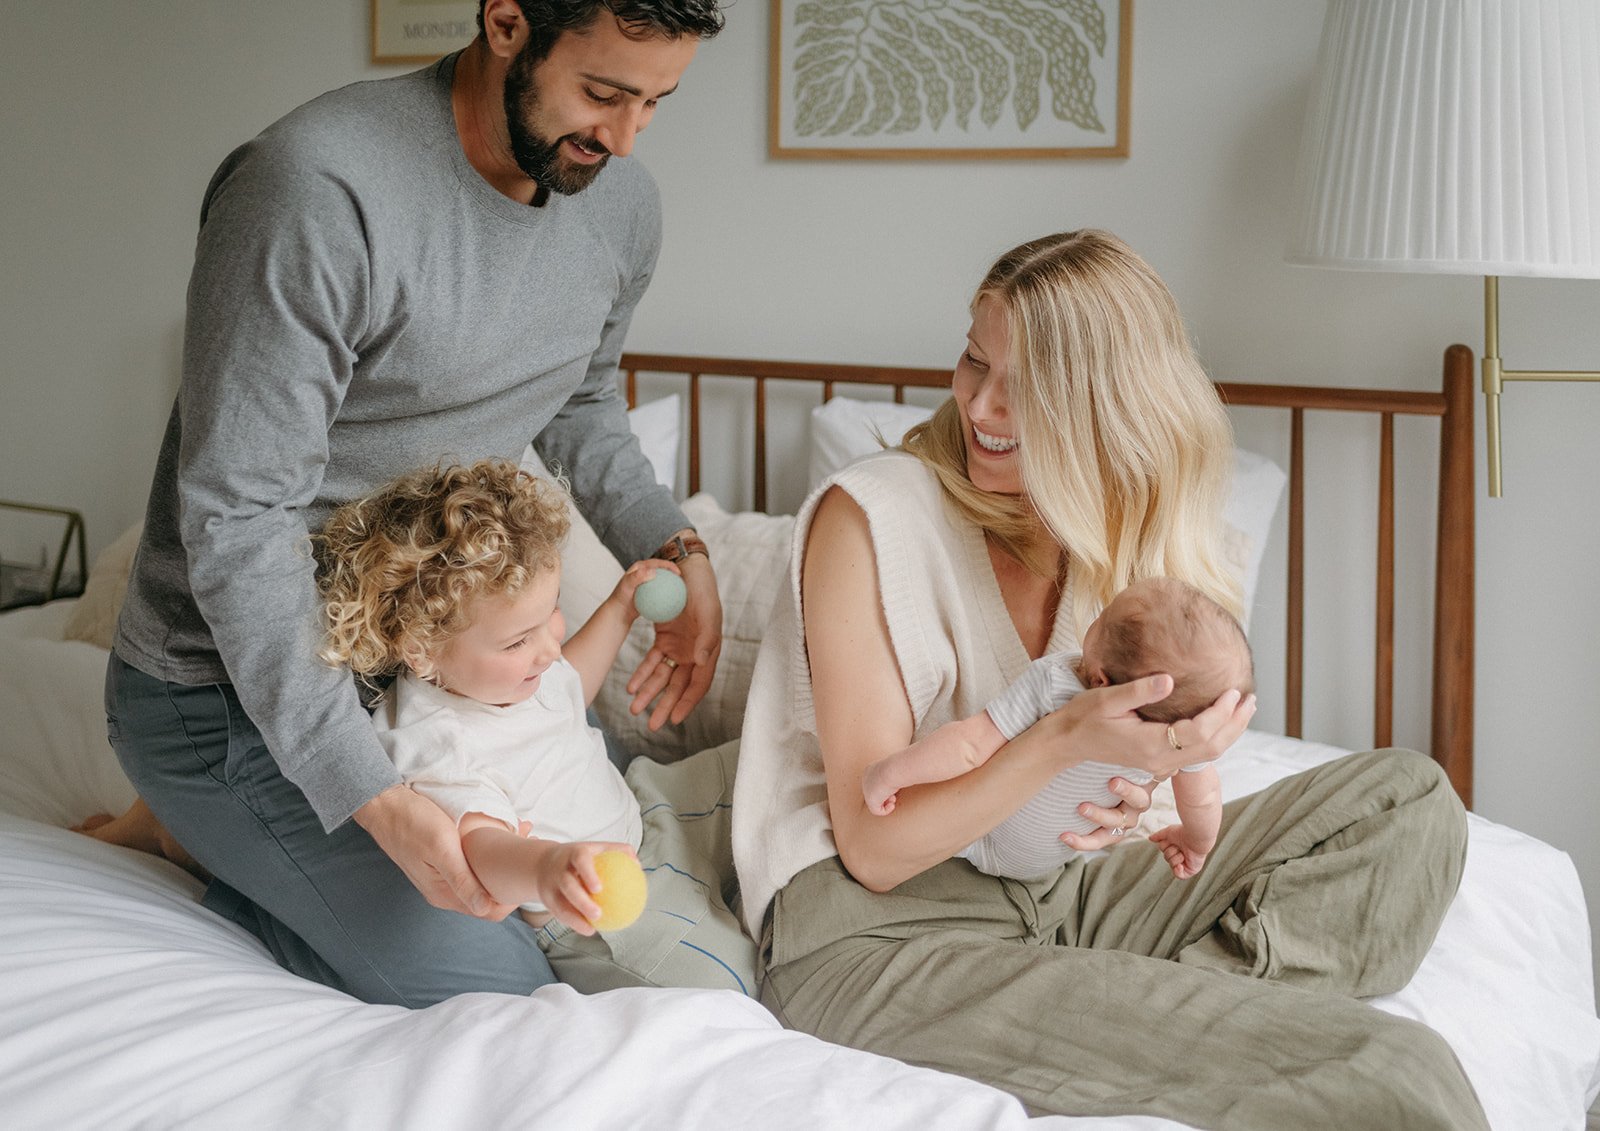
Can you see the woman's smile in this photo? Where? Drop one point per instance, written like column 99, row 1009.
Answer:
column 999, row 445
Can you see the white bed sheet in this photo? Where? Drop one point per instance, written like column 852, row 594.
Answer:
column 123, row 1003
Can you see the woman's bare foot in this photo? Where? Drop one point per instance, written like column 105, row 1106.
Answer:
column 139, row 829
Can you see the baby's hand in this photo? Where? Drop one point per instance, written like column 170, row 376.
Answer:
column 879, row 793
column 1184, row 860
column 568, row 880
column 882, row 806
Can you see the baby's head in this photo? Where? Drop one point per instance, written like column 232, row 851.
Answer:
column 452, row 572
column 1162, row 625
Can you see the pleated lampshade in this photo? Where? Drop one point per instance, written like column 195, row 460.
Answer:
column 1455, row 136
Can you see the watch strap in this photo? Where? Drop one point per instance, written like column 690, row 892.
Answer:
column 680, row 546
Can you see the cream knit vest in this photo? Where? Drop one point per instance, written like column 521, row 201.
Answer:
column 951, row 634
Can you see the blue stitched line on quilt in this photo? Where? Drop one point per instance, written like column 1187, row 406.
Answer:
column 737, row 980
column 681, row 872
column 687, row 816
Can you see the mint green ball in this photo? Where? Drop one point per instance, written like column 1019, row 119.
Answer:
column 662, row 597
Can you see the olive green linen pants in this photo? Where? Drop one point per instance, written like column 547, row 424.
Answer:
column 1223, row 1001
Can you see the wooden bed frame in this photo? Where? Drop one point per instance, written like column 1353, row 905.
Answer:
column 1452, row 706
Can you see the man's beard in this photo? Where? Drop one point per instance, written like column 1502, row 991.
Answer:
column 538, row 158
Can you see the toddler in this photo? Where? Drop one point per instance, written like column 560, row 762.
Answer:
column 449, row 577
column 1152, row 626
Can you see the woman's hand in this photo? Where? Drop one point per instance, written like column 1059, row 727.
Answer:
column 1125, row 817
column 1105, row 718
column 676, row 673
column 1207, row 735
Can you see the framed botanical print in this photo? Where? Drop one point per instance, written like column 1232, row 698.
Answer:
column 950, row 78
column 419, row 31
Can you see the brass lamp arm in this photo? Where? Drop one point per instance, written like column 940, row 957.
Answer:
column 1495, row 375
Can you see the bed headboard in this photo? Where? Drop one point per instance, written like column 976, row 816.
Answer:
column 1453, row 585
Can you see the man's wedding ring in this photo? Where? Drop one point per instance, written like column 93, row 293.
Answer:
column 1172, row 738
column 673, row 664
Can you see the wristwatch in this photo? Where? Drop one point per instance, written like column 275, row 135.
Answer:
column 680, row 546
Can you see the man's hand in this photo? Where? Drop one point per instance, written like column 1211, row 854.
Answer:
column 423, row 842
column 676, row 672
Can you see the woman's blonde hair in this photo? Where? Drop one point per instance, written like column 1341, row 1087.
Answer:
column 1125, row 448
column 399, row 570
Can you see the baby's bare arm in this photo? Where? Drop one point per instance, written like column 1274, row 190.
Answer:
column 1198, row 795
column 952, row 750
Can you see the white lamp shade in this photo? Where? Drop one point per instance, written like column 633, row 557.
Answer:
column 1458, row 136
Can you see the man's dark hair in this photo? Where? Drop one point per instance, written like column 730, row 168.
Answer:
column 669, row 19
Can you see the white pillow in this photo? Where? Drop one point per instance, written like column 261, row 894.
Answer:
column 658, row 427
column 56, row 765
column 94, row 615
column 749, row 552
column 588, row 570
column 1252, row 502
column 844, row 430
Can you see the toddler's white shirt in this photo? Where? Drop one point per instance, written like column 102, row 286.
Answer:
column 538, row 760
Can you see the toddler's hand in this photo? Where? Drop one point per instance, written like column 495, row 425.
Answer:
column 568, row 880
column 636, row 575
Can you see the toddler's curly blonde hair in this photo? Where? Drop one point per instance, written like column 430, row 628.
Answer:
column 399, row 570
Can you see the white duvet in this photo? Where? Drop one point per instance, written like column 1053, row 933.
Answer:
column 123, row 1004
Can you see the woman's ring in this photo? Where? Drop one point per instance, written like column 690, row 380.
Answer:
column 672, row 665
column 1119, row 831
column 1172, row 738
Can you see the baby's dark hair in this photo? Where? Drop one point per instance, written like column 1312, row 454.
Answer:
column 398, row 570
column 1167, row 626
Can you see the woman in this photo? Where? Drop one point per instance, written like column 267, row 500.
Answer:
column 1083, row 449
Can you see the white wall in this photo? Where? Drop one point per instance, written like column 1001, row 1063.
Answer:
column 114, row 122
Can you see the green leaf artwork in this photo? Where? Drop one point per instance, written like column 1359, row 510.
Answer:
column 868, row 68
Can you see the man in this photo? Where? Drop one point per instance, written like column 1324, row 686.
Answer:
column 438, row 266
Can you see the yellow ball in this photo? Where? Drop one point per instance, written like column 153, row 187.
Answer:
column 622, row 890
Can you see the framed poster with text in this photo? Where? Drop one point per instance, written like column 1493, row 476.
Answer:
column 419, row 31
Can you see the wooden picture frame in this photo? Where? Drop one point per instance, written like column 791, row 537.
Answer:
column 960, row 79
column 420, row 31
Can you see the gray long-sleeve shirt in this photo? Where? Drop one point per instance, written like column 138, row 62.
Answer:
column 363, row 303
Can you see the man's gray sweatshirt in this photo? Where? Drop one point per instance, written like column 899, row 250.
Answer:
column 364, row 303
